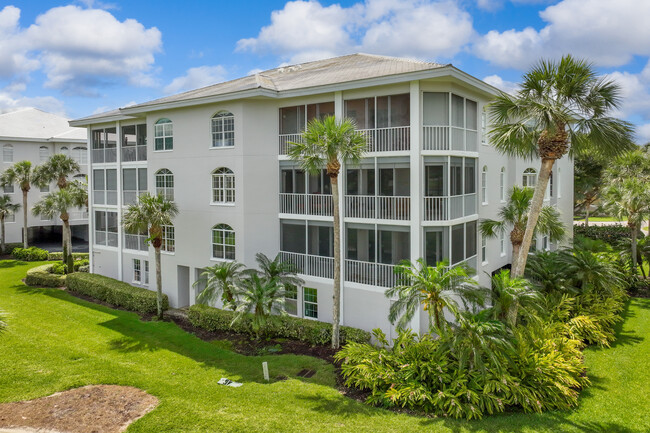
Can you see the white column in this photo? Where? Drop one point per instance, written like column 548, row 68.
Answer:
column 91, row 210
column 339, row 113
column 416, row 183
column 120, row 192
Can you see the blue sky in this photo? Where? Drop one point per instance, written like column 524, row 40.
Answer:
column 82, row 57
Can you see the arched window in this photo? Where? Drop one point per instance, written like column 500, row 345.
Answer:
column 44, row 153
column 7, row 153
column 529, row 178
column 502, row 184
column 64, row 151
column 484, row 197
column 223, row 242
column 223, row 129
column 163, row 135
column 80, row 154
column 165, row 183
column 223, row 186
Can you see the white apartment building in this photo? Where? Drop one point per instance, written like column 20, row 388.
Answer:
column 35, row 135
column 428, row 177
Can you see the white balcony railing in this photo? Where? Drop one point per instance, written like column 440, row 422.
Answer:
column 135, row 242
column 449, row 208
column 435, row 137
column 104, row 155
column 392, row 139
column 446, row 138
column 379, row 207
column 285, row 139
column 134, row 153
column 77, row 215
column 307, row 264
column 372, row 274
column 131, row 197
column 307, row 204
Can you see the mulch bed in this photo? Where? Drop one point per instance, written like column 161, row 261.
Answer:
column 90, row 409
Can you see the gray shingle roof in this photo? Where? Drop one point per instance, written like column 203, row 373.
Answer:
column 33, row 123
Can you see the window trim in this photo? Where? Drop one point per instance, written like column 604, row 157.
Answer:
column 224, row 229
column 222, row 174
column 529, row 173
column 221, row 117
column 165, row 174
column 305, row 302
column 502, row 185
column 166, row 240
column 484, row 181
column 160, row 125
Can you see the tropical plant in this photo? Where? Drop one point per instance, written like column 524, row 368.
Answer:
column 588, row 181
column 58, row 168
column 59, row 204
column 220, row 281
column 512, row 297
column 283, row 272
column 150, row 214
column 591, row 272
column 6, row 208
column 24, row 175
column 547, row 271
column 262, row 297
column 435, row 288
column 514, row 216
column 561, row 107
column 326, row 144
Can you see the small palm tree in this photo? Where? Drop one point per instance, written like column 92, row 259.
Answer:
column 262, row 297
column 547, row 270
column 510, row 296
column 24, row 175
column 220, row 280
column 592, row 272
column 434, row 288
column 281, row 271
column 58, row 168
column 326, row 144
column 150, row 214
column 6, row 208
column 561, row 107
column 514, row 216
column 59, row 204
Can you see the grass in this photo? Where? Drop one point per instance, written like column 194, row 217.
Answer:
column 599, row 219
column 57, row 342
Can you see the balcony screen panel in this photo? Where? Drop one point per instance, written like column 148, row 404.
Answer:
column 382, row 112
column 457, row 111
column 98, row 180
column 352, row 182
column 111, row 222
column 141, row 134
column 111, row 180
column 292, row 119
column 457, row 243
column 456, row 176
column 436, row 109
column 470, row 239
column 470, row 175
column 287, row 181
column 100, row 221
column 129, row 136
column 386, row 181
column 400, row 110
column 111, row 138
column 320, row 111
column 434, row 247
column 321, row 241
column 362, row 111
column 293, row 238
column 435, row 181
column 142, row 179
column 471, row 111
column 98, row 143
column 129, row 179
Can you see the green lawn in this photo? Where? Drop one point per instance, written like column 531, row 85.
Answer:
column 57, row 342
column 599, row 219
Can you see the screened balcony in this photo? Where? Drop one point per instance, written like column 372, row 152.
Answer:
column 293, row 121
column 455, row 246
column 384, row 120
column 303, row 194
column 134, row 184
column 134, row 143
column 449, row 188
column 450, row 122
column 137, row 242
column 309, row 247
column 393, row 201
column 104, row 143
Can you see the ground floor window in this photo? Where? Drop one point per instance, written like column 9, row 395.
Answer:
column 140, row 271
column 291, row 300
column 310, row 301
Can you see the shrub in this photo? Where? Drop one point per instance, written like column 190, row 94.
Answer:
column 309, row 331
column 10, row 247
column 611, row 234
column 31, row 254
column 114, row 292
column 58, row 268
column 75, row 256
column 42, row 276
column 85, row 268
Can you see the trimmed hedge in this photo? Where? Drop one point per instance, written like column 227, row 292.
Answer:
column 10, row 247
column 115, row 292
column 60, row 268
column 31, row 254
column 309, row 331
column 75, row 256
column 42, row 276
column 610, row 234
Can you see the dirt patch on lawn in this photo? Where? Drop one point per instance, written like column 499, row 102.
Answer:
column 90, row 409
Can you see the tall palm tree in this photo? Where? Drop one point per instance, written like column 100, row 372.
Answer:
column 561, row 107
column 329, row 143
column 510, row 296
column 588, row 181
column 60, row 203
column 220, row 280
column 150, row 214
column 514, row 216
column 6, row 208
column 24, row 175
column 58, row 168
column 262, row 297
column 434, row 288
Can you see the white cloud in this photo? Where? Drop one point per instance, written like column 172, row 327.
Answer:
column 608, row 32
column 196, row 77
column 501, row 84
column 643, row 134
column 10, row 100
column 307, row 30
column 13, row 48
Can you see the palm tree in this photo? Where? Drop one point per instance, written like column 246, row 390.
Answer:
column 561, row 107
column 60, row 203
column 588, row 181
column 24, row 175
column 58, row 168
column 262, row 297
column 220, row 280
column 150, row 214
column 433, row 288
column 592, row 272
column 328, row 143
column 514, row 215
column 510, row 296
column 283, row 272
column 6, row 208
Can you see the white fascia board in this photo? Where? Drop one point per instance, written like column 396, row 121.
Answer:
column 97, row 120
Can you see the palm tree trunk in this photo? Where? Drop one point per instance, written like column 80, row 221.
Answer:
column 535, row 209
column 336, row 312
column 158, row 283
column 25, row 209
column 67, row 241
column 634, row 236
column 515, row 256
column 587, row 214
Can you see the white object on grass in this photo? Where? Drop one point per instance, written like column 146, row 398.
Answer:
column 228, row 382
column 265, row 368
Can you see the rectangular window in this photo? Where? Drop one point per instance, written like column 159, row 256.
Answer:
column 10, row 218
column 106, row 228
column 291, row 300
column 168, row 239
column 8, row 153
column 310, row 301
column 470, row 239
column 141, row 271
column 9, row 189
column 484, row 140
column 457, row 243
column 134, row 184
column 163, row 135
column 502, row 243
column 484, row 196
column 45, row 188
column 483, row 249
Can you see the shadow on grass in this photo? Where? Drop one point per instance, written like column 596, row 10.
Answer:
column 5, row 264
column 625, row 337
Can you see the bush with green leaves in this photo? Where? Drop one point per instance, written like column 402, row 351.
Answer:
column 31, row 254
column 43, row 276
column 58, row 268
column 309, row 331
column 613, row 234
column 10, row 247
column 114, row 292
column 76, row 256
